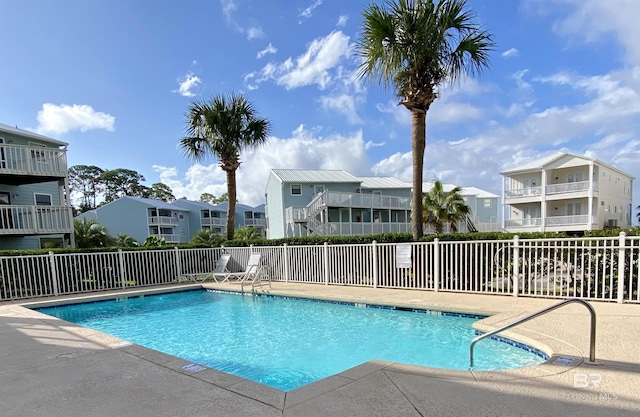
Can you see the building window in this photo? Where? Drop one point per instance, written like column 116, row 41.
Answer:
column 181, row 216
column 43, row 199
column 296, row 189
column 487, row 202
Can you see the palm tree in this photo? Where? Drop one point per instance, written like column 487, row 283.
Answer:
column 222, row 128
column 247, row 233
column 91, row 234
column 124, row 240
column 416, row 46
column 207, row 237
column 444, row 207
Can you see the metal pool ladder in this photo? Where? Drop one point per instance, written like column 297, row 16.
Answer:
column 592, row 312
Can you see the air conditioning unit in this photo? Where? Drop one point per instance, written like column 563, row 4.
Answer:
column 612, row 223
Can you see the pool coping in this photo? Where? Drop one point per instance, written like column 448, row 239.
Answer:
column 285, row 399
column 40, row 351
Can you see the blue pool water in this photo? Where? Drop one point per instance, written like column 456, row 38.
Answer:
column 286, row 343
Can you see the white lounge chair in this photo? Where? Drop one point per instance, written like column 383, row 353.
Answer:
column 221, row 268
column 251, row 271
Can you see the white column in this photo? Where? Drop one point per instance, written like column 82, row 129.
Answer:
column 543, row 202
column 590, row 197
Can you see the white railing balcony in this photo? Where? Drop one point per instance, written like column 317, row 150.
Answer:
column 532, row 222
column 213, row 221
column 169, row 238
column 359, row 200
column 35, row 220
column 570, row 187
column 523, row 192
column 162, row 221
column 296, row 214
column 255, row 222
column 567, row 220
column 360, row 228
column 33, row 160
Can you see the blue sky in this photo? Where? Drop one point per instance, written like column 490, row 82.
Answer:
column 113, row 78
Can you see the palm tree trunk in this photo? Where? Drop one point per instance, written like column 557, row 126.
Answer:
column 231, row 207
column 418, row 137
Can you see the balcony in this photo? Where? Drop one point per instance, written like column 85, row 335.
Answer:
column 213, row 221
column 169, row 238
column 162, row 221
column 255, row 222
column 553, row 223
column 563, row 190
column 35, row 220
column 31, row 164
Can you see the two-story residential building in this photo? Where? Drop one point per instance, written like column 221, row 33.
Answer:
column 35, row 211
column 303, row 202
column 563, row 192
column 203, row 215
column 143, row 217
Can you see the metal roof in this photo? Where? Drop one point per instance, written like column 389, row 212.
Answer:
column 314, row 176
column 383, row 182
column 539, row 163
column 32, row 135
column 465, row 191
column 155, row 203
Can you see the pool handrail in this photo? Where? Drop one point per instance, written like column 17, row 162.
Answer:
column 592, row 341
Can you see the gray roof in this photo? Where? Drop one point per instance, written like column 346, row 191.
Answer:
column 200, row 204
column 477, row 192
column 314, row 176
column 383, row 182
column 465, row 191
column 153, row 203
column 539, row 163
column 28, row 134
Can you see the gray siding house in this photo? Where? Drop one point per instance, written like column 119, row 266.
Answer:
column 334, row 202
column 485, row 207
column 34, row 209
column 203, row 215
column 143, row 217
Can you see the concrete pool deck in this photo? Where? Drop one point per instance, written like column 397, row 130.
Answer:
column 50, row 367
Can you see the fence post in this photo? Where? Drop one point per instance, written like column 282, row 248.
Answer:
column 326, row 263
column 286, row 263
column 516, row 264
column 54, row 273
column 178, row 265
column 374, row 259
column 622, row 243
column 123, row 278
column 436, row 264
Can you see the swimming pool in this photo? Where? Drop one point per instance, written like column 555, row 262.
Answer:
column 287, row 342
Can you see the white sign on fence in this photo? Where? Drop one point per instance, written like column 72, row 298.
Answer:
column 403, row 256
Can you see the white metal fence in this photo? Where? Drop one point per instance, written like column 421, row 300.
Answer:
column 606, row 269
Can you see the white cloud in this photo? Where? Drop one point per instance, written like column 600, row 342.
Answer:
column 270, row 49
column 308, row 12
column 302, row 150
column 254, row 32
column 518, row 77
column 342, row 103
column 228, row 7
column 452, row 112
column 510, row 53
column 186, row 84
column 400, row 113
column 64, row 118
column 342, row 21
column 591, row 20
column 312, row 67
